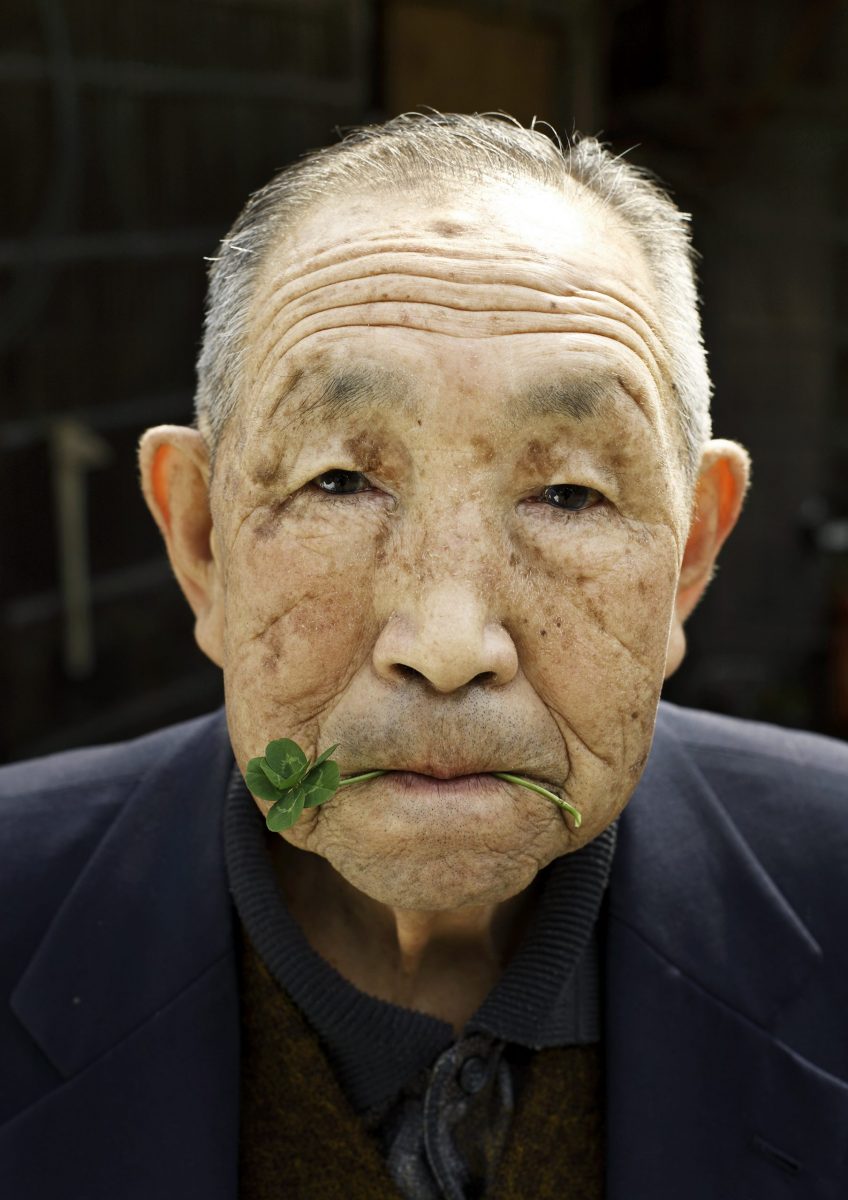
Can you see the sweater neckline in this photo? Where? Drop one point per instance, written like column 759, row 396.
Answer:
column 549, row 994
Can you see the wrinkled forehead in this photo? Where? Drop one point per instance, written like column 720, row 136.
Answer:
column 526, row 212
column 409, row 279
column 469, row 232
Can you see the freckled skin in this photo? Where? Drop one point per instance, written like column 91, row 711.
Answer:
column 364, row 447
column 452, row 533
column 537, row 456
column 448, row 229
column 447, row 612
column 484, row 450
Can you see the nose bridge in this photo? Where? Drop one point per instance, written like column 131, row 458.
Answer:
column 455, row 544
column 443, row 620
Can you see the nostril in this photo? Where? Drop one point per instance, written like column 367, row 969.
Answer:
column 407, row 672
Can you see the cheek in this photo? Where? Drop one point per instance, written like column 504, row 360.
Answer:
column 599, row 634
column 298, row 609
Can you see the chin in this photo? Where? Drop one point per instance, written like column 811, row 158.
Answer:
column 449, row 882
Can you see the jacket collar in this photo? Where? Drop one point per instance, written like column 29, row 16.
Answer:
column 149, row 913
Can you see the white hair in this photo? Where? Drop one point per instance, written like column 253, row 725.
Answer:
column 421, row 150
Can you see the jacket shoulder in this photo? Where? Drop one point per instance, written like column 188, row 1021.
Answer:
column 54, row 810
column 786, row 790
column 754, row 750
column 93, row 769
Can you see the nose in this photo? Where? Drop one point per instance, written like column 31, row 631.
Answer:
column 446, row 637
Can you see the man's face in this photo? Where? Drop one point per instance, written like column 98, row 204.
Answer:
column 448, row 521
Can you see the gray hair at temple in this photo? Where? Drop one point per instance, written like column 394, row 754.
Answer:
column 426, row 150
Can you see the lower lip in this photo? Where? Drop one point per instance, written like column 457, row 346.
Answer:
column 460, row 785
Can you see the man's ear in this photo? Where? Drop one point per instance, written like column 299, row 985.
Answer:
column 174, row 466
column 722, row 483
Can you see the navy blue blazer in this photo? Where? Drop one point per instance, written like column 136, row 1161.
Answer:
column 726, row 1002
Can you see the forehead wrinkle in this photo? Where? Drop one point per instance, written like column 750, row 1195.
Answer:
column 404, row 232
column 450, row 295
column 447, row 322
column 395, row 254
column 541, row 280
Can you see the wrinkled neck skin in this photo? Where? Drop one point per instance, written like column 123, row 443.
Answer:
column 440, row 963
column 450, row 608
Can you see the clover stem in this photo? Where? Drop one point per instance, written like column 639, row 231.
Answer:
column 359, row 778
column 535, row 787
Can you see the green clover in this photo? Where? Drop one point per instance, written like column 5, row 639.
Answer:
column 285, row 777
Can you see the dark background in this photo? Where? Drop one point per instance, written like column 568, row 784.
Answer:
column 133, row 131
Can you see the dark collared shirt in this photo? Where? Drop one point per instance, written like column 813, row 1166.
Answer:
column 439, row 1104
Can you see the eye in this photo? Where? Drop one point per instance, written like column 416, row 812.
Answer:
column 571, row 497
column 340, row 483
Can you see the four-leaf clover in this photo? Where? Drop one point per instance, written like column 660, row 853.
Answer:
column 286, row 777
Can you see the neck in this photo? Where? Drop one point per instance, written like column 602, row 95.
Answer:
column 441, row 962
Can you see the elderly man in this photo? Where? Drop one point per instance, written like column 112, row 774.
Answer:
column 450, row 499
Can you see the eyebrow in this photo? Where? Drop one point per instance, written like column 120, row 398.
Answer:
column 576, row 397
column 346, row 391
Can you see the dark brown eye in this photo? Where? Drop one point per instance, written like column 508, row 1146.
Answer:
column 571, row 497
column 340, row 483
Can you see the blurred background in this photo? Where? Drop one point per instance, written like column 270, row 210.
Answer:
column 132, row 133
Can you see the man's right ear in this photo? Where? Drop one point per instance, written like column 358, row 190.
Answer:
column 174, row 466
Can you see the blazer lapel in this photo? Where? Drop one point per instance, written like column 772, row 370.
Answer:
column 703, row 953
column 132, row 996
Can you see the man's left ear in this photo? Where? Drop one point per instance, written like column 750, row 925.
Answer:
column 722, row 483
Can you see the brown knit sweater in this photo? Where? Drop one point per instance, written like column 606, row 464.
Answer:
column 301, row 1139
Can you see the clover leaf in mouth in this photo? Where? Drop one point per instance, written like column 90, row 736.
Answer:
column 285, row 777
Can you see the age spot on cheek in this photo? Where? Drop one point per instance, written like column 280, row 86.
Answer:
column 266, row 527
column 543, row 572
column 265, row 473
